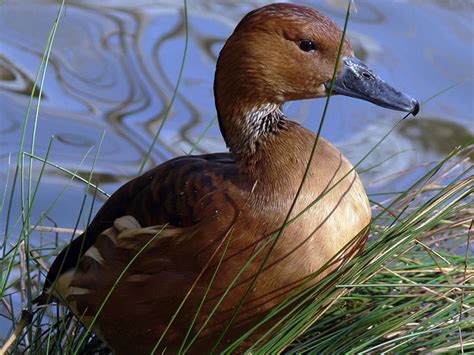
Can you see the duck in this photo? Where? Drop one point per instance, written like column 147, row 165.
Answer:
column 209, row 244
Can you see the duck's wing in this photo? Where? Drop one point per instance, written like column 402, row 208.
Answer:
column 133, row 272
column 172, row 194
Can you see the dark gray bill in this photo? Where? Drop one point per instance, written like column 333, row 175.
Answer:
column 357, row 80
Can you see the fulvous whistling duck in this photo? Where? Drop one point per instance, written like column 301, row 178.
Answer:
column 174, row 225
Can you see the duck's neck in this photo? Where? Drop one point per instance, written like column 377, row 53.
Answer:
column 265, row 145
column 245, row 128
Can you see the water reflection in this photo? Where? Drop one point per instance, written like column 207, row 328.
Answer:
column 434, row 135
column 114, row 67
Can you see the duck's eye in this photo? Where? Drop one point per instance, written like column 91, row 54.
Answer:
column 307, row 45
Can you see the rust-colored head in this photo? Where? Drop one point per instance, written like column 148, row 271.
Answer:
column 284, row 52
column 278, row 53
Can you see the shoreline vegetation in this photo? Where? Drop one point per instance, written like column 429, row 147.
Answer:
column 410, row 290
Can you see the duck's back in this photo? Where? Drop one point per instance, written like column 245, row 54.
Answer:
column 168, row 194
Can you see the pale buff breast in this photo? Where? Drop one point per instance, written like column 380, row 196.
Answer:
column 342, row 212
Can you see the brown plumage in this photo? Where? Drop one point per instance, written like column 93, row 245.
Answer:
column 191, row 213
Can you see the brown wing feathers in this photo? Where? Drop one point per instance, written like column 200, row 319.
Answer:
column 167, row 194
column 162, row 265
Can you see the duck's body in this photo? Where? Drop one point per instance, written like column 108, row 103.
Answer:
column 194, row 214
column 212, row 204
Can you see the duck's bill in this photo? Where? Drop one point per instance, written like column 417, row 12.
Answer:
column 357, row 80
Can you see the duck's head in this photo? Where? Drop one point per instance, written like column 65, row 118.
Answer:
column 284, row 52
